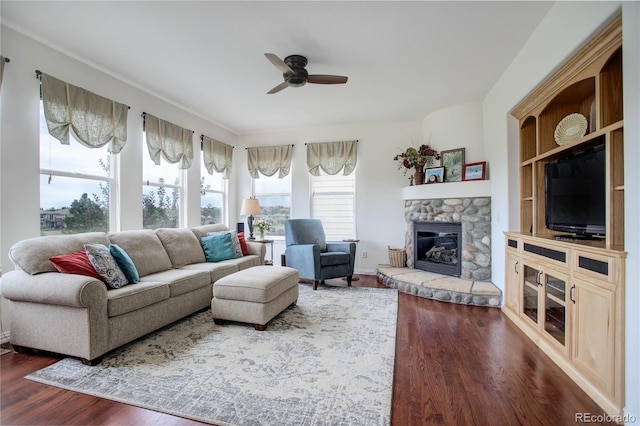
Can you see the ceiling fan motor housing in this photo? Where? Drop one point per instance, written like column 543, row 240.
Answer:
column 300, row 74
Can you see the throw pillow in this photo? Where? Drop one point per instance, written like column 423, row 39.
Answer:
column 106, row 266
column 243, row 244
column 125, row 263
column 235, row 240
column 74, row 263
column 218, row 247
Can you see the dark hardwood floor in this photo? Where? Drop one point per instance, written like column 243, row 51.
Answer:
column 455, row 365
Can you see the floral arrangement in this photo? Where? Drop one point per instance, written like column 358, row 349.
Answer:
column 416, row 158
column 262, row 226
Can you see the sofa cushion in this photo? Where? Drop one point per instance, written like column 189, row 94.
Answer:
column 125, row 263
column 32, row 255
column 334, row 258
column 203, row 230
column 180, row 281
column 181, row 245
column 216, row 270
column 261, row 284
column 75, row 263
column 144, row 248
column 105, row 265
column 133, row 297
column 218, row 247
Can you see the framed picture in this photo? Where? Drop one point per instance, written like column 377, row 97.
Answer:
column 434, row 175
column 474, row 171
column 453, row 162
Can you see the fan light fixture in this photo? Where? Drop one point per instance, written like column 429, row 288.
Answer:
column 250, row 207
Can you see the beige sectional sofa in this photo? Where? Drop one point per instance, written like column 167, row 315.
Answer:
column 80, row 316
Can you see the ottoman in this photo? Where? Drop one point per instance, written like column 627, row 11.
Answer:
column 254, row 295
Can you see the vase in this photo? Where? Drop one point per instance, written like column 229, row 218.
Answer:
column 261, row 235
column 418, row 177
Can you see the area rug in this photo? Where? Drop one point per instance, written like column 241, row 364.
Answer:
column 328, row 360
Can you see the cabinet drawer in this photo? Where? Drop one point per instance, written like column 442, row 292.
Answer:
column 547, row 252
column 596, row 266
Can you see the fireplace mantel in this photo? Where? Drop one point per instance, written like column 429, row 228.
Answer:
column 471, row 188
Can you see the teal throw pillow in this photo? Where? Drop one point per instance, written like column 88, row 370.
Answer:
column 125, row 263
column 218, row 247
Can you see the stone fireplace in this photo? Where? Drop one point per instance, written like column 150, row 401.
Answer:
column 471, row 215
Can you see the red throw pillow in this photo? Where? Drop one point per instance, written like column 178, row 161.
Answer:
column 74, row 263
column 243, row 244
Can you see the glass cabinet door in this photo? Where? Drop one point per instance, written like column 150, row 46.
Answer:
column 530, row 292
column 555, row 307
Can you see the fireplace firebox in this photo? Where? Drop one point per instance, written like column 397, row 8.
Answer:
column 437, row 247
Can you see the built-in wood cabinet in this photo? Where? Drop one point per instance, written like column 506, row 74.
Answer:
column 568, row 295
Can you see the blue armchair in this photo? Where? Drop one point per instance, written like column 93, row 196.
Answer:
column 316, row 259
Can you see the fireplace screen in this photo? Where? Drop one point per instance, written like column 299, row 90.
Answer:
column 437, row 247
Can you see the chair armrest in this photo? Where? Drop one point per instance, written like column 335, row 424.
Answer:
column 53, row 288
column 305, row 258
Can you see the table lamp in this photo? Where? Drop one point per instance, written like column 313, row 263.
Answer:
column 250, row 206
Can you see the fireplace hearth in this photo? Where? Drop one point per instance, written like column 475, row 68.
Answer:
column 437, row 247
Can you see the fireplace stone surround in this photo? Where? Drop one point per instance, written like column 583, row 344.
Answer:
column 474, row 215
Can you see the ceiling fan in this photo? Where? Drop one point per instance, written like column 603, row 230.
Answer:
column 295, row 75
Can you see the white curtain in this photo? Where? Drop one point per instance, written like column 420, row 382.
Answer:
column 217, row 156
column 332, row 157
column 269, row 159
column 94, row 120
column 173, row 143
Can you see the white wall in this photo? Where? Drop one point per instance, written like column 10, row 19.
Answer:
column 458, row 126
column 631, row 84
column 19, row 171
column 379, row 205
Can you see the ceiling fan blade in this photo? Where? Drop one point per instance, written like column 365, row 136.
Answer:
column 279, row 63
column 278, row 88
column 327, row 79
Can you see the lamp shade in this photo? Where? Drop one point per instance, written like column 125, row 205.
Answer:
column 250, row 207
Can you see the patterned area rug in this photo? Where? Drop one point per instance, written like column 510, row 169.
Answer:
column 326, row 361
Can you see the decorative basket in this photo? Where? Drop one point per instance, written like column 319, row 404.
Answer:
column 397, row 257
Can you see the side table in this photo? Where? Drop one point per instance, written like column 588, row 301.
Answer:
column 265, row 242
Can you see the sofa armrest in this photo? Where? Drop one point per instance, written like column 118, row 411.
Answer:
column 53, row 288
column 257, row 249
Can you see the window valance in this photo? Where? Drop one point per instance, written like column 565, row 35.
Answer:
column 269, row 159
column 94, row 120
column 172, row 142
column 217, row 156
column 332, row 157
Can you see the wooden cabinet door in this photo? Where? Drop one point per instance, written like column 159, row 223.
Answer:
column 594, row 340
column 512, row 284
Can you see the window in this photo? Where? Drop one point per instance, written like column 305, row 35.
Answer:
column 161, row 193
column 75, row 185
column 333, row 202
column 213, row 189
column 274, row 195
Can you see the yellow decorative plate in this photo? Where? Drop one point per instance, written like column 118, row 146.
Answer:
column 572, row 127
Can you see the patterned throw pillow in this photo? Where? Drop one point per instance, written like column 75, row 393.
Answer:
column 235, row 240
column 243, row 244
column 125, row 263
column 106, row 266
column 74, row 263
column 218, row 247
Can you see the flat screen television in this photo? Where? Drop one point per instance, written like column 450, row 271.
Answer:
column 575, row 195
